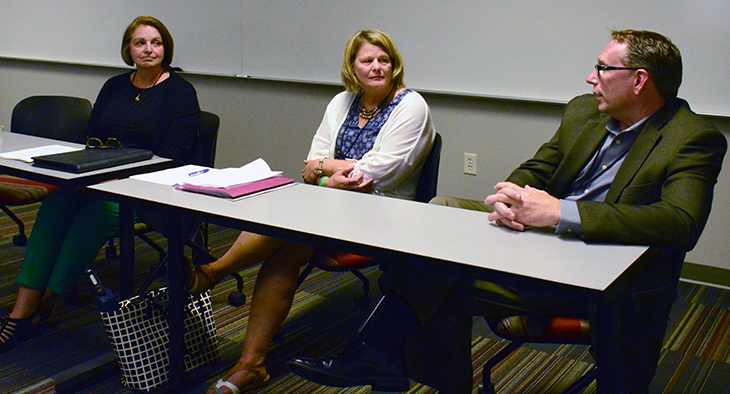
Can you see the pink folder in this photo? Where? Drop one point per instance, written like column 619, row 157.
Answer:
column 240, row 190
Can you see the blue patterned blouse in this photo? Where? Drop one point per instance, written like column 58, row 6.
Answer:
column 352, row 141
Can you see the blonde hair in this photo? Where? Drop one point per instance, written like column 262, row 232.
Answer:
column 379, row 39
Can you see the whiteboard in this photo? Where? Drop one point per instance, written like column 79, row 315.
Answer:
column 207, row 34
column 532, row 50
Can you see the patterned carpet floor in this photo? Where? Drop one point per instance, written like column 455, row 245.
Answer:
column 695, row 359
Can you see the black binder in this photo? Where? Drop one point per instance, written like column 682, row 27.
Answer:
column 91, row 159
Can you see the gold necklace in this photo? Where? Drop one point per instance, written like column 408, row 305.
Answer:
column 365, row 114
column 139, row 92
column 370, row 113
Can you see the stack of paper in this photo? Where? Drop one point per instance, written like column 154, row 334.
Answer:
column 231, row 177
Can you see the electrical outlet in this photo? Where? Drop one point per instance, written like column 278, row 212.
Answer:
column 470, row 163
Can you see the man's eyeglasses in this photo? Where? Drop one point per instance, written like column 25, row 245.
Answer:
column 96, row 143
column 603, row 67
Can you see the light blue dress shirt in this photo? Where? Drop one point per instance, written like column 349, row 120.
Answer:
column 593, row 182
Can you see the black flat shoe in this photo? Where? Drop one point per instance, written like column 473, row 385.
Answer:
column 358, row 365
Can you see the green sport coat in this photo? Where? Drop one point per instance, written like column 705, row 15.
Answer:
column 661, row 195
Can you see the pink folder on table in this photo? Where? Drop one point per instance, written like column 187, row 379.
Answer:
column 239, row 190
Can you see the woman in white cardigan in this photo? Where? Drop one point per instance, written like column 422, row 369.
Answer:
column 374, row 138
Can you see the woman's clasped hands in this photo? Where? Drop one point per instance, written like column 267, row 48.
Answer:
column 340, row 179
column 313, row 169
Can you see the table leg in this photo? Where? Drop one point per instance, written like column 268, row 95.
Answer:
column 178, row 298
column 126, row 250
column 605, row 328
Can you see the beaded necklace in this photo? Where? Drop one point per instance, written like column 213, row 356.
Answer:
column 369, row 114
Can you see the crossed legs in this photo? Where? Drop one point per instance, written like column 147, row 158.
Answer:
column 247, row 250
column 272, row 298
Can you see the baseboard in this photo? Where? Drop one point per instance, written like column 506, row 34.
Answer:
column 706, row 274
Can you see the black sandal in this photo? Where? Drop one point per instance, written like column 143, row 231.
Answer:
column 15, row 331
column 4, row 314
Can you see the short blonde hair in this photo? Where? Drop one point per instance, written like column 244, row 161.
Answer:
column 379, row 39
column 167, row 41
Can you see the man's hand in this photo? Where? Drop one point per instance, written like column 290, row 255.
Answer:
column 517, row 207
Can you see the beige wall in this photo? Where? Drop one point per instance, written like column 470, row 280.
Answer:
column 276, row 120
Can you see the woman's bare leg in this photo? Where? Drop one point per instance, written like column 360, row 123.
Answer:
column 248, row 249
column 273, row 295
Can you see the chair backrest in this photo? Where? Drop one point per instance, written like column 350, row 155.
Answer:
column 428, row 181
column 59, row 117
column 204, row 152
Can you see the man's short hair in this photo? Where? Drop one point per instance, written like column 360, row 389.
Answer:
column 657, row 55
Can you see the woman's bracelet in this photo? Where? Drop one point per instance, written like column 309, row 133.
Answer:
column 319, row 169
column 322, row 180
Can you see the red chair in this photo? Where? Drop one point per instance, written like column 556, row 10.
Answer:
column 343, row 262
column 524, row 327
column 346, row 262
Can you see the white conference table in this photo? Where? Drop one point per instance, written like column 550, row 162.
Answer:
column 395, row 230
column 15, row 141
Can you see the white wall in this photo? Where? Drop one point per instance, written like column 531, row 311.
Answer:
column 276, row 120
column 467, row 46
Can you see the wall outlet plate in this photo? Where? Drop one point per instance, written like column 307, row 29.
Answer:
column 470, row 163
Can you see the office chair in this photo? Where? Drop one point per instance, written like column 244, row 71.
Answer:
column 347, row 262
column 523, row 327
column 58, row 117
column 203, row 154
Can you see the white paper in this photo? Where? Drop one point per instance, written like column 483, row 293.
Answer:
column 26, row 155
column 211, row 177
column 171, row 176
column 229, row 177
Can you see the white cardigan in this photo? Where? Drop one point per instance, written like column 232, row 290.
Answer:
column 400, row 148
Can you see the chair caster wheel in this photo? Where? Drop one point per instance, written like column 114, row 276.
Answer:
column 485, row 389
column 110, row 252
column 237, row 299
column 20, row 240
